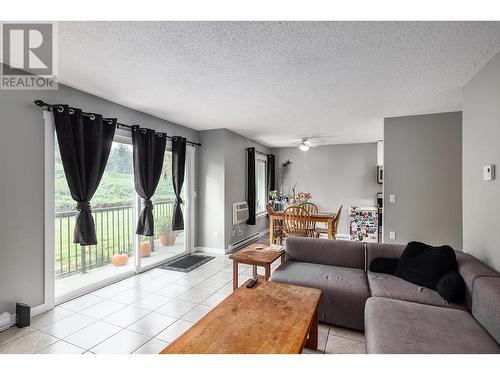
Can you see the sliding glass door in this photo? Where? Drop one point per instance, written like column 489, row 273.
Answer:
column 115, row 206
column 78, row 268
column 167, row 244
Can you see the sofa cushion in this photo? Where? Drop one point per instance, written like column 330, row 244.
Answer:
column 424, row 264
column 383, row 265
column 401, row 327
column 382, row 250
column 390, row 286
column 344, row 290
column 322, row 251
column 451, row 287
column 486, row 304
column 471, row 268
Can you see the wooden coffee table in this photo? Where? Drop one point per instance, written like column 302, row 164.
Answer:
column 255, row 255
column 270, row 318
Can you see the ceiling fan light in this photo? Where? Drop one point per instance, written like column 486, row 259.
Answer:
column 303, row 147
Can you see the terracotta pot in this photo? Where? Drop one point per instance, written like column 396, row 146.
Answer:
column 145, row 249
column 168, row 238
column 119, row 260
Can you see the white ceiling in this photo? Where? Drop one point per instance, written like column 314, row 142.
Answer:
column 276, row 82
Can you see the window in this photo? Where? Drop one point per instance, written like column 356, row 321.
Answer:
column 260, row 184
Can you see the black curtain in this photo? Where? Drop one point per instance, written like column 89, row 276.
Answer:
column 148, row 153
column 251, row 185
column 84, row 143
column 271, row 175
column 178, row 169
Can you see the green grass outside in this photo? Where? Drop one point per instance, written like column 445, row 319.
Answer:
column 115, row 229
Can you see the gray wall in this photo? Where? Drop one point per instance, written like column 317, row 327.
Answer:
column 210, row 217
column 222, row 171
column 481, row 146
column 335, row 175
column 235, row 184
column 22, row 183
column 423, row 168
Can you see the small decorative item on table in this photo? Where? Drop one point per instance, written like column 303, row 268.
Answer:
column 303, row 197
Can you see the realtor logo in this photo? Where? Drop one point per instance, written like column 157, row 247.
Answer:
column 29, row 59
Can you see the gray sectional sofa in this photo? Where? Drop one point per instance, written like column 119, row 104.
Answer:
column 397, row 316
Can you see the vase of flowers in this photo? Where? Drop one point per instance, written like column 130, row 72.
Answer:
column 303, row 197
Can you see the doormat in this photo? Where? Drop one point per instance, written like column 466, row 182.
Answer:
column 187, row 263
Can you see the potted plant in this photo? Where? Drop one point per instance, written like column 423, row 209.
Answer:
column 167, row 235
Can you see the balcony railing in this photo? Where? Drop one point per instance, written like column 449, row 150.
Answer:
column 115, row 230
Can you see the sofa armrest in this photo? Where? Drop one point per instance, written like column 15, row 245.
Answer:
column 322, row 251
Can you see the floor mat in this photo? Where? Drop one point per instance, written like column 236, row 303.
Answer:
column 187, row 263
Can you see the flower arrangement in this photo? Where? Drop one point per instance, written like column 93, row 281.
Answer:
column 303, row 197
column 273, row 195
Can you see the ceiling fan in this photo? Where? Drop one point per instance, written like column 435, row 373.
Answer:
column 305, row 144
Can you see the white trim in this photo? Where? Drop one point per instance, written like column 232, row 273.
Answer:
column 212, row 250
column 191, row 198
column 259, row 156
column 49, row 231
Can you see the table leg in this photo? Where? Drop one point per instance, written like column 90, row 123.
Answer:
column 330, row 230
column 312, row 340
column 235, row 275
column 283, row 258
column 271, row 231
column 254, row 272
column 267, row 273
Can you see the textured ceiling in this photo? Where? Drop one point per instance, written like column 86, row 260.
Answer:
column 276, row 82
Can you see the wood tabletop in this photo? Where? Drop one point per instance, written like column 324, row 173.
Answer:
column 268, row 318
column 256, row 254
column 330, row 215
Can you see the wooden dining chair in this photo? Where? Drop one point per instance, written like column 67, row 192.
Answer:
column 297, row 222
column 278, row 225
column 320, row 231
column 310, row 207
column 337, row 219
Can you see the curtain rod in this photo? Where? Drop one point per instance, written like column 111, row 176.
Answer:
column 41, row 104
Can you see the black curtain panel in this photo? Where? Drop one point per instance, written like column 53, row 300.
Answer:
column 271, row 176
column 251, row 185
column 84, row 143
column 178, row 171
column 148, row 154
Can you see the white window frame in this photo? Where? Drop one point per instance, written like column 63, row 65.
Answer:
column 261, row 158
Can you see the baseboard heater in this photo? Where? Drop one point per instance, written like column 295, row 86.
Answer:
column 239, row 244
column 5, row 321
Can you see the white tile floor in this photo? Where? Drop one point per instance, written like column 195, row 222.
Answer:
column 144, row 313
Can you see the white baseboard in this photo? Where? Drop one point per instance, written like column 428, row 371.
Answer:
column 36, row 310
column 212, row 250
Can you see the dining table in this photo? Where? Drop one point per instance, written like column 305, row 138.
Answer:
column 318, row 217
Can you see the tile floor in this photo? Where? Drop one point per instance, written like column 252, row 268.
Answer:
column 144, row 313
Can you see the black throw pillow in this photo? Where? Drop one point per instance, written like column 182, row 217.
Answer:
column 424, row 265
column 384, row 265
column 451, row 287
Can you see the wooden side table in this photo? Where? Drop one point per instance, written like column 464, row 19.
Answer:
column 255, row 255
